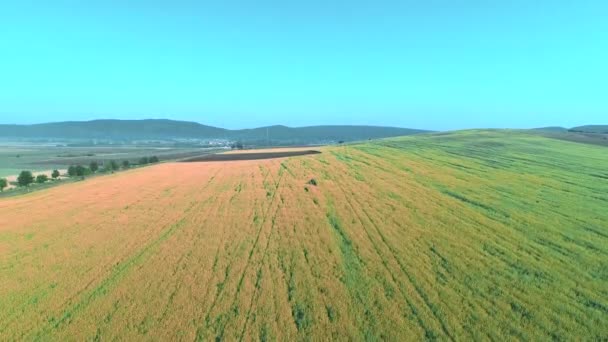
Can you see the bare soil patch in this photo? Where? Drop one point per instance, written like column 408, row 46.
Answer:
column 249, row 156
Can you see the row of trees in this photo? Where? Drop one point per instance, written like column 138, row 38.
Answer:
column 110, row 166
column 26, row 178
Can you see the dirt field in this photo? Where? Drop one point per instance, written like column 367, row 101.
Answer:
column 251, row 155
column 468, row 236
column 273, row 150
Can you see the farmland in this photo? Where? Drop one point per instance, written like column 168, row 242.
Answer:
column 15, row 157
column 466, row 235
column 255, row 154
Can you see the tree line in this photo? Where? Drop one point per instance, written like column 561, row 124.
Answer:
column 26, row 178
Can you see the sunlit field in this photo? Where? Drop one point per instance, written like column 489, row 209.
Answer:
column 469, row 235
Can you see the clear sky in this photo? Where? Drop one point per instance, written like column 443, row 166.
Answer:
column 434, row 64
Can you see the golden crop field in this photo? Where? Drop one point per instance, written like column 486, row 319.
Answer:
column 485, row 235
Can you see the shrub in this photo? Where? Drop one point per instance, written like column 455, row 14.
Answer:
column 144, row 160
column 55, row 174
column 113, row 165
column 153, row 159
column 94, row 166
column 25, row 178
column 126, row 164
column 312, row 181
column 3, row 184
column 72, row 171
column 81, row 171
column 42, row 179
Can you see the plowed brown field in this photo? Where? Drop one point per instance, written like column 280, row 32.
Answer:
column 478, row 235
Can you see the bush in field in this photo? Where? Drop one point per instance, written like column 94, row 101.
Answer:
column 113, row 166
column 79, row 170
column 55, row 174
column 25, row 178
column 153, row 159
column 3, row 184
column 72, row 171
column 42, row 179
column 94, row 166
column 82, row 171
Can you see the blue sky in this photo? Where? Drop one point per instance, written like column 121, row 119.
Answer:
column 425, row 64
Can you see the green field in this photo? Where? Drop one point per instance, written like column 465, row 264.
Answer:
column 14, row 158
column 472, row 235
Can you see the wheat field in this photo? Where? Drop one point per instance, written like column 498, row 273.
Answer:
column 485, row 235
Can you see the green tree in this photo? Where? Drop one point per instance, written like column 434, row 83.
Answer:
column 25, row 178
column 3, row 184
column 144, row 160
column 72, row 171
column 153, row 159
column 94, row 166
column 82, row 171
column 55, row 174
column 41, row 179
column 126, row 164
column 114, row 165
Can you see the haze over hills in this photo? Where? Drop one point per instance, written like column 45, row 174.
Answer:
column 588, row 134
column 169, row 129
column 557, row 129
column 601, row 129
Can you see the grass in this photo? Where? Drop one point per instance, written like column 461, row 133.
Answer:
column 468, row 235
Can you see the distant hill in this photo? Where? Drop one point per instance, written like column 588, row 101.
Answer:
column 169, row 130
column 602, row 129
column 112, row 129
column 589, row 134
column 556, row 129
column 303, row 135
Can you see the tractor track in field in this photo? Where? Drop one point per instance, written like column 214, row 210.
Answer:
column 420, row 293
column 411, row 306
column 214, row 269
column 466, row 285
column 255, row 295
column 179, row 283
column 385, row 241
column 264, row 220
column 201, row 330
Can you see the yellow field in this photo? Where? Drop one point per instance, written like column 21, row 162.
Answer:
column 475, row 235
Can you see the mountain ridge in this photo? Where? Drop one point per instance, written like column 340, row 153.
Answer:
column 166, row 129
